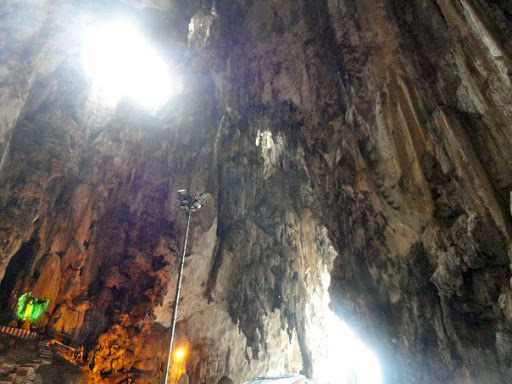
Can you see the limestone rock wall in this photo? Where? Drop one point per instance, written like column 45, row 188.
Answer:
column 368, row 141
column 400, row 115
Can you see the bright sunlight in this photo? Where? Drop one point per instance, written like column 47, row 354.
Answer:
column 121, row 63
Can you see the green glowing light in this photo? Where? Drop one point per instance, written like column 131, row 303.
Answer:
column 31, row 308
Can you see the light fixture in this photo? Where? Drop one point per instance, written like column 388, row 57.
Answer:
column 180, row 354
column 190, row 204
column 121, row 63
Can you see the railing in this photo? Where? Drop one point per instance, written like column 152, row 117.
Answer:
column 19, row 333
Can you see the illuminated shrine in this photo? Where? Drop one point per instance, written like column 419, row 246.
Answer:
column 31, row 308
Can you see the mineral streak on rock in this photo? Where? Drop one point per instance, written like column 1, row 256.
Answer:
column 356, row 152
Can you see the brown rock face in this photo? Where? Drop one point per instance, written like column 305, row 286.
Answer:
column 368, row 142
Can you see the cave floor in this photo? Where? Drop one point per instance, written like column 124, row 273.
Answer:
column 21, row 362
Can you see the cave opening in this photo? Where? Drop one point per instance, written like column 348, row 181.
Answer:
column 15, row 274
column 120, row 62
column 347, row 359
column 338, row 354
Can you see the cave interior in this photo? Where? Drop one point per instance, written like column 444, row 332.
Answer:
column 345, row 204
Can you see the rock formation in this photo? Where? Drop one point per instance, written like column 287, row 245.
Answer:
column 357, row 154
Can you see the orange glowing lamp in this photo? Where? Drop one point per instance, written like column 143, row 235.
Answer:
column 180, row 354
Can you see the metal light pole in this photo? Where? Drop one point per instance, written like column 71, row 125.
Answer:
column 190, row 204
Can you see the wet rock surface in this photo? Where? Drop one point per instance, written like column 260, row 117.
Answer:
column 367, row 141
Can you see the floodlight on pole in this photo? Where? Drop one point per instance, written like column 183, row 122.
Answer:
column 190, row 204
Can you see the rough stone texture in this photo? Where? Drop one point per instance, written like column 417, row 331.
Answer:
column 369, row 141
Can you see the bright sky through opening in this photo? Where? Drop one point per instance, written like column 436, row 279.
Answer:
column 343, row 358
column 121, row 63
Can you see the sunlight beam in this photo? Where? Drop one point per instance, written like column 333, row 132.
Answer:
column 121, row 63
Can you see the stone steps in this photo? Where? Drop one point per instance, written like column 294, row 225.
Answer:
column 45, row 353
